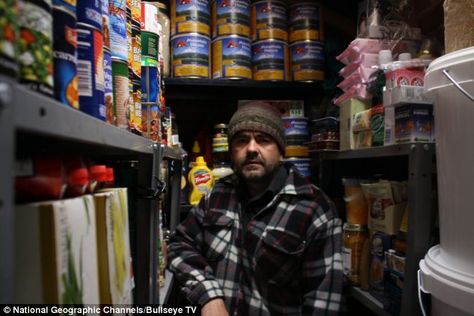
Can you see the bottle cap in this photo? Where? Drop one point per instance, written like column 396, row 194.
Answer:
column 200, row 161
column 98, row 172
column 385, row 56
column 109, row 175
column 79, row 176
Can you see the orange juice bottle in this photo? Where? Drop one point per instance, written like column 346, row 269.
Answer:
column 200, row 180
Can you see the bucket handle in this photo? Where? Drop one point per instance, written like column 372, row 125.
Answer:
column 421, row 291
column 446, row 73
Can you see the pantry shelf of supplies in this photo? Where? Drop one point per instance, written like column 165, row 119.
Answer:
column 38, row 115
column 369, row 301
column 374, row 152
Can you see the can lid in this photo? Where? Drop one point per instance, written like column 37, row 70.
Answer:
column 354, row 227
column 220, row 125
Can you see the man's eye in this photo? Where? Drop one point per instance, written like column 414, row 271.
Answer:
column 263, row 140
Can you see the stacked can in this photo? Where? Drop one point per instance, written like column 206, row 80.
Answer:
column 9, row 37
column 190, row 41
column 306, row 46
column 65, row 53
column 134, row 37
column 119, row 52
column 296, row 136
column 164, row 45
column 150, row 80
column 270, row 55
column 108, row 80
column 35, row 45
column 231, row 55
column 90, row 53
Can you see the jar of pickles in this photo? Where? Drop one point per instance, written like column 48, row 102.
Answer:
column 353, row 242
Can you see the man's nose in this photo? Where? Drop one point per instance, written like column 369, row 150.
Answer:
column 252, row 145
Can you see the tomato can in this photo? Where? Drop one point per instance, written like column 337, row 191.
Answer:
column 118, row 33
column 307, row 61
column 269, row 20
column 230, row 17
column 121, row 83
column 231, row 58
column 190, row 16
column 190, row 56
column 108, row 88
column 65, row 57
column 305, row 22
column 90, row 12
column 270, row 60
column 35, row 46
column 90, row 70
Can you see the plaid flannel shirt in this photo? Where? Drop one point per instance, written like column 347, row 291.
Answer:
column 289, row 263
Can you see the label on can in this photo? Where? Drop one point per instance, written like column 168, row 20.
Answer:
column 135, row 106
column 135, row 55
column 231, row 58
column 135, row 7
column 190, row 16
column 303, row 165
column 307, row 61
column 150, row 44
column 149, row 21
column 90, row 12
column 35, row 47
column 9, row 37
column 90, row 71
column 231, row 17
column 118, row 4
column 190, row 56
column 106, row 23
column 67, row 4
column 121, row 93
column 270, row 60
column 295, row 126
column 150, row 87
column 305, row 22
column 269, row 21
column 65, row 57
column 118, row 34
column 108, row 88
column 151, row 123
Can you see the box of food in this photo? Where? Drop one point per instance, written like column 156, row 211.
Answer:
column 414, row 123
column 347, row 112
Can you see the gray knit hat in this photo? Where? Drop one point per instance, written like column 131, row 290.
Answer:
column 261, row 117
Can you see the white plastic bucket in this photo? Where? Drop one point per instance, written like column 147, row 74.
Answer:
column 445, row 79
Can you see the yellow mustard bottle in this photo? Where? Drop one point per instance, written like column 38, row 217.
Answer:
column 200, row 180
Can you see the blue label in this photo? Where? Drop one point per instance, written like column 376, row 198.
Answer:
column 268, row 55
column 233, row 11
column 305, row 12
column 308, row 55
column 118, row 34
column 150, row 87
column 295, row 126
column 70, row 5
column 105, row 7
column 271, row 14
column 303, row 166
column 191, row 49
column 108, row 85
column 120, row 4
column 193, row 10
column 237, row 47
column 90, row 12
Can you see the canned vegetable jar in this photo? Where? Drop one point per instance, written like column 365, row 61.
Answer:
column 231, row 58
column 190, row 16
column 190, row 56
column 270, row 60
column 230, row 17
column 269, row 21
column 305, row 22
column 307, row 61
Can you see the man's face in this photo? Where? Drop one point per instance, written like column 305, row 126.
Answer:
column 255, row 155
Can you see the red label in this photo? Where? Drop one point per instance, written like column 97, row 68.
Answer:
column 202, row 178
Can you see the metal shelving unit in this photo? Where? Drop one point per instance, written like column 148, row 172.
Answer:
column 33, row 123
column 419, row 160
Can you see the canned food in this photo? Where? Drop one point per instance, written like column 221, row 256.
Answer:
column 106, row 23
column 118, row 34
column 150, row 43
column 231, row 58
column 90, row 70
column 65, row 57
column 270, row 60
column 353, row 243
column 150, row 86
column 151, row 123
column 135, row 8
column 135, row 55
column 269, row 21
column 108, row 88
column 121, row 94
column 230, row 17
column 118, row 4
column 303, row 165
column 69, row 5
column 305, row 22
column 307, row 61
column 190, row 56
column 190, row 16
column 90, row 12
column 296, row 130
column 35, row 46
column 149, row 21
column 164, row 46
column 9, row 37
column 135, row 123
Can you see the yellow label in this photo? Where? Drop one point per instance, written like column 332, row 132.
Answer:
column 191, row 70
column 268, row 75
column 217, row 59
column 193, row 27
column 239, row 72
column 231, row 29
column 278, row 34
column 303, row 35
column 136, row 110
column 305, row 75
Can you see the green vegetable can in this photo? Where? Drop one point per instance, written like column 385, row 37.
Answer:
column 8, row 37
column 35, row 45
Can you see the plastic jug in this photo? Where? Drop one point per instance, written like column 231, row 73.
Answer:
column 200, row 180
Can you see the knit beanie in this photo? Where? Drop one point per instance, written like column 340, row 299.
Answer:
column 260, row 117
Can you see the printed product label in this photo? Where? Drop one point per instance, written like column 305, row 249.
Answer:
column 108, row 88
column 149, row 21
column 121, row 93
column 305, row 23
column 232, row 58
column 150, row 45
column 295, row 126
column 68, row 4
column 136, row 108
column 231, row 17
column 135, row 54
column 307, row 61
column 190, row 56
column 268, row 60
column 119, row 4
column 118, row 34
column 106, row 23
column 90, row 12
column 346, row 260
column 303, row 166
column 8, row 36
column 201, row 179
column 190, row 16
column 36, row 58
column 136, row 11
column 151, row 124
column 150, row 88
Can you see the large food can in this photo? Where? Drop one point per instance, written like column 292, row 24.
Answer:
column 150, row 83
column 150, row 43
column 118, row 33
column 231, row 58
column 35, row 45
column 69, row 5
column 121, row 92
column 190, row 16
column 106, row 23
column 134, row 12
column 307, row 61
column 90, row 12
column 269, row 21
column 65, row 57
column 190, row 56
column 296, row 130
column 135, row 107
column 108, row 88
column 90, row 70
column 151, row 123
column 305, row 22
column 135, row 55
column 9, row 37
column 270, row 60
column 230, row 17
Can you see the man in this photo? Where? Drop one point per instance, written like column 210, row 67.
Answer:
column 264, row 241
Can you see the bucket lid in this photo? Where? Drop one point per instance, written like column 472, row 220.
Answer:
column 453, row 287
column 460, row 64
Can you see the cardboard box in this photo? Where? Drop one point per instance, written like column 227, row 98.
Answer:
column 56, row 252
column 113, row 243
column 414, row 123
column 347, row 112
